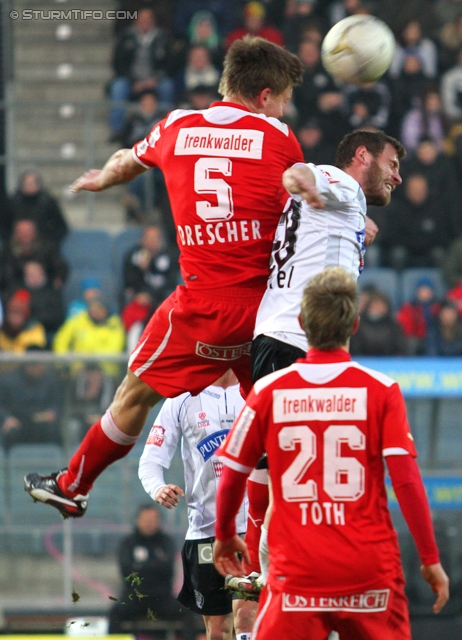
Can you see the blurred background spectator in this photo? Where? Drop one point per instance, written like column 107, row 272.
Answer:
column 203, row 31
column 149, row 267
column 367, row 106
column 448, row 334
column 418, row 228
column 136, row 314
column 379, row 334
column 94, row 331
column 92, row 392
column 146, row 564
column 412, row 42
column 142, row 60
column 46, row 301
column 451, row 90
column 314, row 82
column 424, row 120
column 253, row 23
column 146, row 191
column 27, row 245
column 314, row 146
column 31, row 201
column 20, row 330
column 199, row 71
column 31, row 404
column 90, row 288
column 300, row 24
column 417, row 318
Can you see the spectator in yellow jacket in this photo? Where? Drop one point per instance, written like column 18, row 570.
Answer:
column 94, row 331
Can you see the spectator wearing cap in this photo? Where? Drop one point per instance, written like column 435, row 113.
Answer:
column 19, row 329
column 203, row 30
column 30, row 404
column 253, row 15
column 93, row 331
column 90, row 288
column 417, row 317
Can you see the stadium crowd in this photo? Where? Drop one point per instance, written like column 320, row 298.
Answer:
column 171, row 56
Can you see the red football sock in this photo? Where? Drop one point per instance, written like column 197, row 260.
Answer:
column 103, row 444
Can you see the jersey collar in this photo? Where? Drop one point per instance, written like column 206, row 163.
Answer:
column 316, row 356
column 229, row 104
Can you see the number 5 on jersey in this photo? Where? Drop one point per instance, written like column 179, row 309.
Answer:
column 343, row 477
column 203, row 183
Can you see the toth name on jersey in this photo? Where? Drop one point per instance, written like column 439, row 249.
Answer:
column 221, row 232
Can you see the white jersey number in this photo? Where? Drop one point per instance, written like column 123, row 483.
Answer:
column 203, row 183
column 343, row 477
column 292, row 489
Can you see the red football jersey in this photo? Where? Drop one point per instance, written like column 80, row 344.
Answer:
column 326, row 427
column 223, row 170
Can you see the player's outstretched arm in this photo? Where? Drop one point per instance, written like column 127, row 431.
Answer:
column 300, row 179
column 438, row 580
column 169, row 495
column 225, row 556
column 120, row 168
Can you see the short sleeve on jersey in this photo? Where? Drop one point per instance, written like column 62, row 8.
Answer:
column 246, row 431
column 396, row 433
column 146, row 152
column 334, row 185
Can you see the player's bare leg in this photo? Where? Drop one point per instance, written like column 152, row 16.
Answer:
column 244, row 618
column 108, row 440
column 219, row 627
column 132, row 402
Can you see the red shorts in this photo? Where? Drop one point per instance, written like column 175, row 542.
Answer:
column 257, row 493
column 193, row 338
column 384, row 616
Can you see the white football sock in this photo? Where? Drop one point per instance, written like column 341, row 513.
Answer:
column 263, row 554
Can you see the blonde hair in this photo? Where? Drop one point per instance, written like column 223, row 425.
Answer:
column 253, row 64
column 329, row 308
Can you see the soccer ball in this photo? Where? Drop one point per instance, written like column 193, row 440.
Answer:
column 358, row 49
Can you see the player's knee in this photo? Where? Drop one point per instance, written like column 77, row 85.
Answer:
column 133, row 391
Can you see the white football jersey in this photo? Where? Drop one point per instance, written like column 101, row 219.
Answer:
column 307, row 241
column 201, row 423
